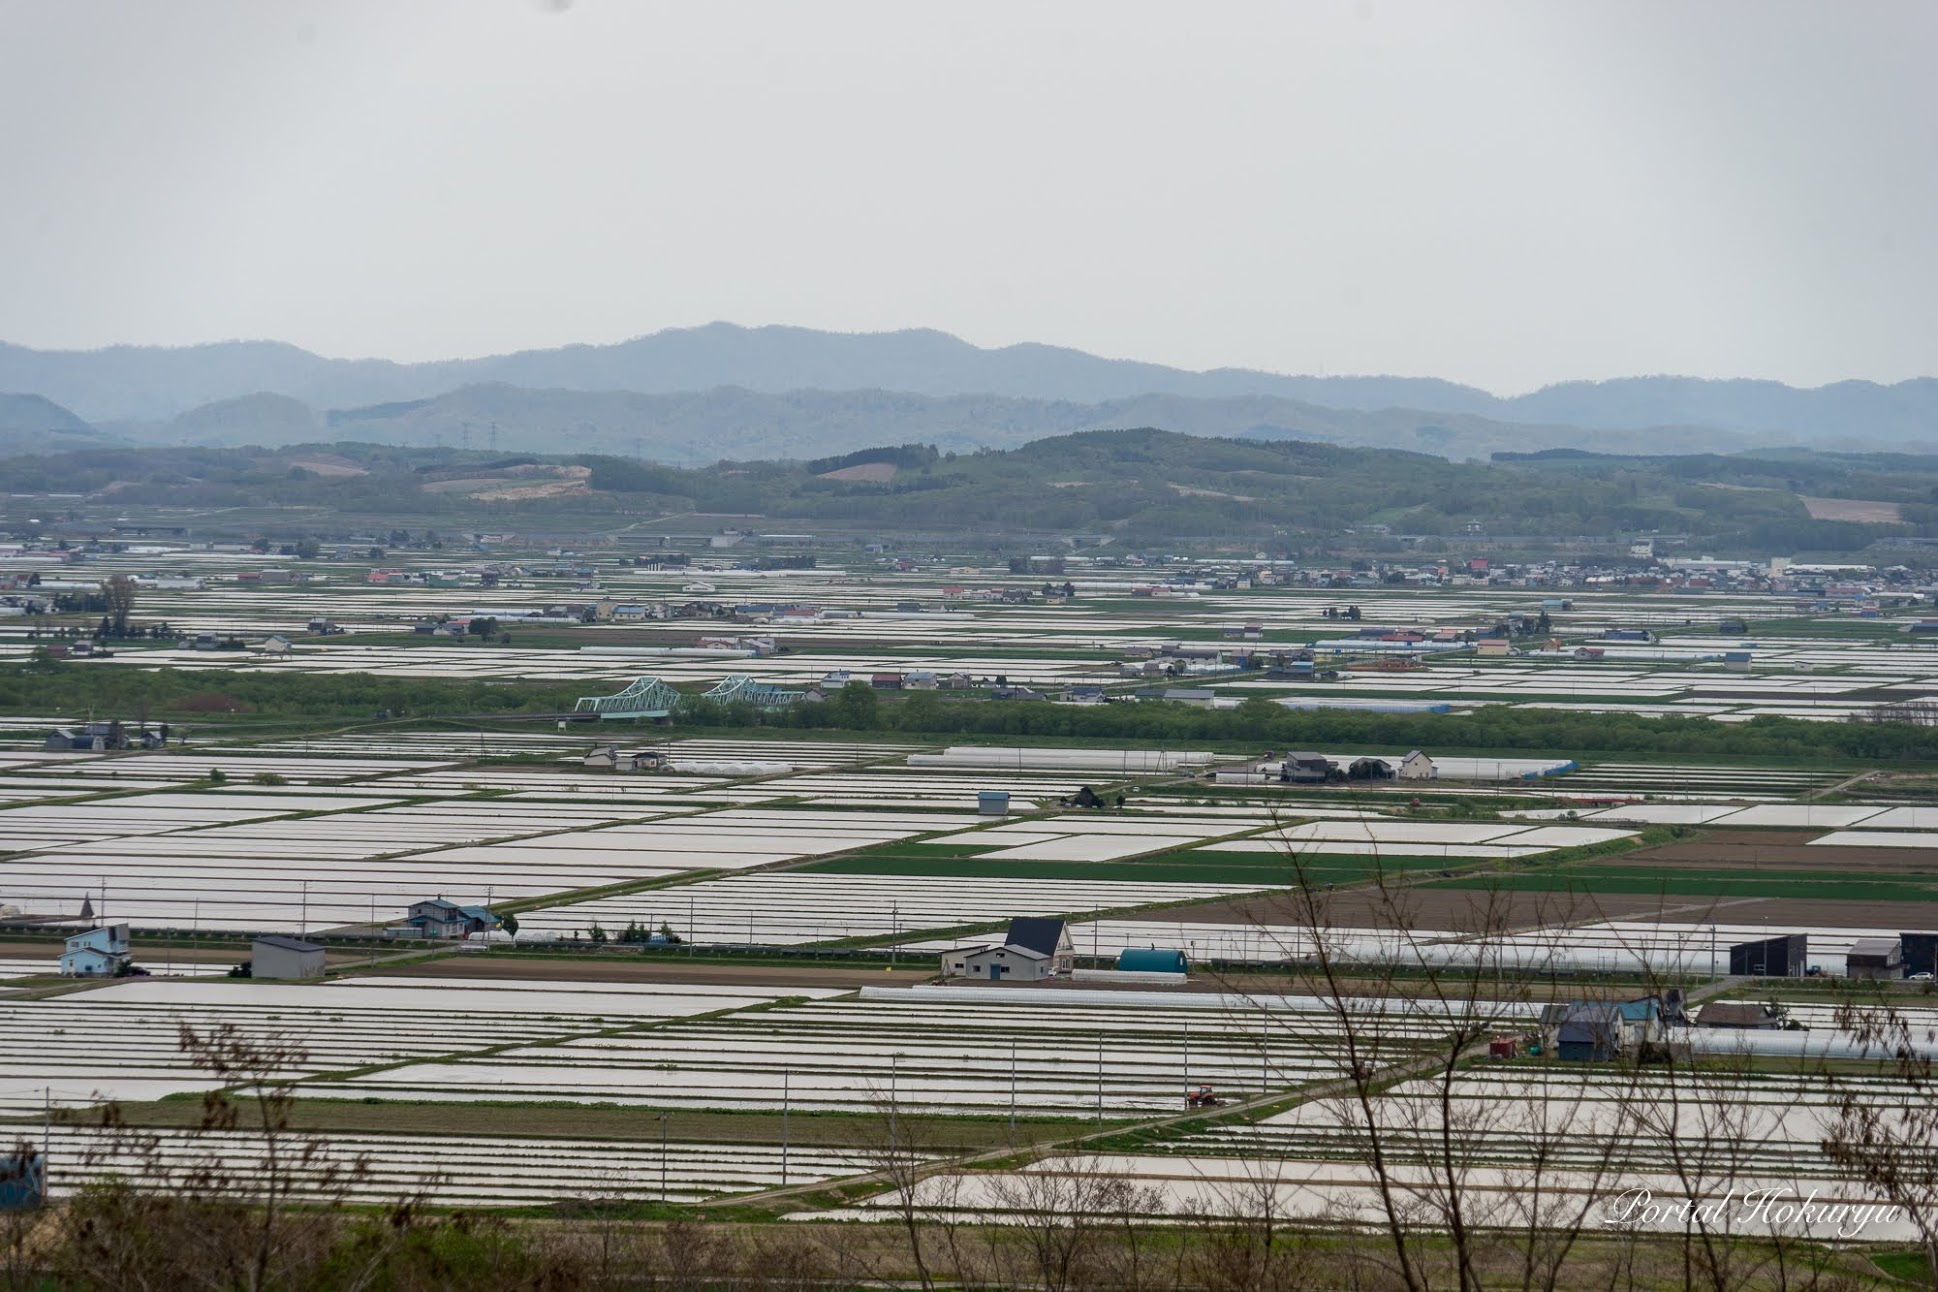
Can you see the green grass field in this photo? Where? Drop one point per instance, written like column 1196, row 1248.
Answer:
column 1679, row 882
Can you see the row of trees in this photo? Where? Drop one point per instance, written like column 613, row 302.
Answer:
column 1902, row 732
column 858, row 707
column 39, row 688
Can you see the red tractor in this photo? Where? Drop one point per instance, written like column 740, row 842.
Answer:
column 1201, row 1097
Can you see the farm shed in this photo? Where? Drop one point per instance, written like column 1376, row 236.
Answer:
column 1919, row 951
column 609, row 759
column 992, row 803
column 1785, row 956
column 1152, row 960
column 1202, row 696
column 996, row 963
column 97, row 953
column 1416, row 766
column 1589, row 1033
column 1874, row 958
column 285, row 958
column 1739, row 1014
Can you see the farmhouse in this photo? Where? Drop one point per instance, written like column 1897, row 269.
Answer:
column 1599, row 1030
column 285, row 958
column 438, row 918
column 1305, row 768
column 100, row 737
column 98, row 953
column 1033, row 949
column 1416, row 766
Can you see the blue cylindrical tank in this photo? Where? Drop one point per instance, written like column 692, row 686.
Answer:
column 1151, row 960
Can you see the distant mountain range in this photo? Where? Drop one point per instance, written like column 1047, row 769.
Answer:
column 727, row 391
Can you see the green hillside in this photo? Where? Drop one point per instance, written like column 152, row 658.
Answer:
column 1141, row 486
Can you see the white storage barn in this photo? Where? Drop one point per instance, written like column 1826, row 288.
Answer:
column 285, row 958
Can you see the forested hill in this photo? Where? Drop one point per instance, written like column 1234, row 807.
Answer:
column 1136, row 485
column 153, row 385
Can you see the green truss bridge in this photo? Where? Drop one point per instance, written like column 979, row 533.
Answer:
column 646, row 698
column 745, row 690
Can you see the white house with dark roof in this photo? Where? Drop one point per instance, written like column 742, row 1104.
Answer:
column 1033, row 949
column 1416, row 766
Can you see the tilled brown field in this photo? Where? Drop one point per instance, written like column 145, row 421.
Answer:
column 1783, row 849
column 1452, row 910
column 1786, row 913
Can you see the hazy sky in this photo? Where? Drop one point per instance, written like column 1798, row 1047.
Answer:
column 1501, row 193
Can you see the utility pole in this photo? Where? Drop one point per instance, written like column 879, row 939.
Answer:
column 1100, row 1081
column 46, row 1139
column 786, row 1082
column 662, row 1157
column 1012, row 1092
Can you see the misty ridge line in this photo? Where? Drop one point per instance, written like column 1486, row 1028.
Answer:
column 723, row 390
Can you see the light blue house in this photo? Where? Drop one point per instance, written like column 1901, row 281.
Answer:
column 97, row 953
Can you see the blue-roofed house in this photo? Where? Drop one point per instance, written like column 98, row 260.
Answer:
column 440, row 918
